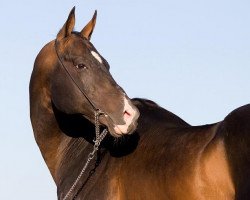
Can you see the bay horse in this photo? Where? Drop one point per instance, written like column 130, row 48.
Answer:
column 149, row 152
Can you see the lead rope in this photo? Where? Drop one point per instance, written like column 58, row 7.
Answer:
column 98, row 139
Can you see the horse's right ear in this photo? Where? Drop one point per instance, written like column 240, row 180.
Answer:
column 68, row 26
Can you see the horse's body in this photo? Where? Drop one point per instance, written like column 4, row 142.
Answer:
column 165, row 158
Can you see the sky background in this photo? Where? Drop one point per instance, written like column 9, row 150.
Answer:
column 191, row 57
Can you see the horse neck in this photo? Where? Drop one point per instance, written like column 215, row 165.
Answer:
column 52, row 142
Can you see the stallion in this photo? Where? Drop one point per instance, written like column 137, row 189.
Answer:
column 100, row 145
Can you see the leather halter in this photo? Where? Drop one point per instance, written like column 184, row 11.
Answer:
column 99, row 136
column 71, row 77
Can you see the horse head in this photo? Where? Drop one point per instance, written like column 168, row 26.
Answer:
column 82, row 83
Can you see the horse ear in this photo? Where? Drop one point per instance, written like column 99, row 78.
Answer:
column 68, row 26
column 88, row 29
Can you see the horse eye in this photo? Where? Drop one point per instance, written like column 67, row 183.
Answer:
column 81, row 66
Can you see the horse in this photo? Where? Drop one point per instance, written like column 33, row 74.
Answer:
column 100, row 145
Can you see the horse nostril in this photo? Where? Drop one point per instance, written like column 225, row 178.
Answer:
column 127, row 115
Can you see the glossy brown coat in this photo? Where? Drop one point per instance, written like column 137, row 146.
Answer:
column 164, row 159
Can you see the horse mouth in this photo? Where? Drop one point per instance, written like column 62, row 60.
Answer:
column 118, row 130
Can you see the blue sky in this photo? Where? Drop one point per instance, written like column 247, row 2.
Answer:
column 191, row 57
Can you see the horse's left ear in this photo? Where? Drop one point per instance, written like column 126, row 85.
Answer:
column 88, row 29
column 68, row 26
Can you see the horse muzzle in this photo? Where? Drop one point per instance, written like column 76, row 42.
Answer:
column 129, row 118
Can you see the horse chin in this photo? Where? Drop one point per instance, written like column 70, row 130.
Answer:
column 118, row 130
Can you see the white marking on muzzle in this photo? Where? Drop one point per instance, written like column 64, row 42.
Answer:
column 131, row 113
column 96, row 56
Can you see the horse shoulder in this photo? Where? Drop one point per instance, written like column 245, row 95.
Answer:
column 213, row 179
column 203, row 171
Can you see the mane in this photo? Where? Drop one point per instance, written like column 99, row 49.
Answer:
column 145, row 102
column 151, row 112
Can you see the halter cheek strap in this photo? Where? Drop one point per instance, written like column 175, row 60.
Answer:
column 73, row 80
column 99, row 136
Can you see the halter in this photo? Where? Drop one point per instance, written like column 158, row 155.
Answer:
column 71, row 77
column 99, row 136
